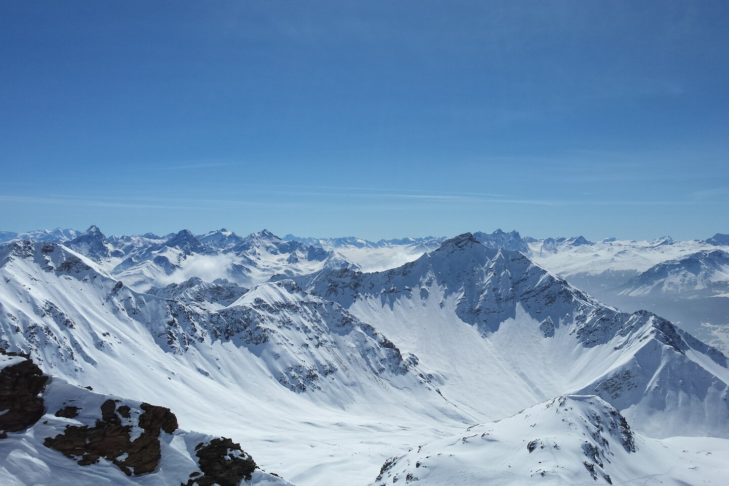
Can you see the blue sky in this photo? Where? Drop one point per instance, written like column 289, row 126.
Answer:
column 376, row 118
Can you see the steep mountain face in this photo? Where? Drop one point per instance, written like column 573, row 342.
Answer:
column 57, row 433
column 186, row 242
column 92, row 244
column 704, row 272
column 196, row 290
column 566, row 340
column 573, row 439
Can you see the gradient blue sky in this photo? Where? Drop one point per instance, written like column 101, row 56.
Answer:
column 372, row 118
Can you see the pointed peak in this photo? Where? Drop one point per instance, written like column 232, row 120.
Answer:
column 579, row 241
column 185, row 240
column 461, row 241
column 264, row 234
column 94, row 230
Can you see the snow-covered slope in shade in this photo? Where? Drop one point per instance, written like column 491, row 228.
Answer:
column 218, row 293
column 501, row 333
column 704, row 272
column 57, row 433
column 573, row 439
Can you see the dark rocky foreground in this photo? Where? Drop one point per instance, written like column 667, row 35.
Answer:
column 127, row 434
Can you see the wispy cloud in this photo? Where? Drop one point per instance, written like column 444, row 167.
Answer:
column 203, row 164
column 353, row 197
column 711, row 193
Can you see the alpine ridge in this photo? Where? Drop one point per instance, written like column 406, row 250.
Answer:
column 286, row 345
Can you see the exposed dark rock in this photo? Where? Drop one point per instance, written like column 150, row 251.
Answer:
column 222, row 463
column 110, row 438
column 21, row 386
column 67, row 412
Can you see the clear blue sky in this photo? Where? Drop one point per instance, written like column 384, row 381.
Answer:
column 373, row 118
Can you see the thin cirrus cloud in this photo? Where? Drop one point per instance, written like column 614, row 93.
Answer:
column 325, row 197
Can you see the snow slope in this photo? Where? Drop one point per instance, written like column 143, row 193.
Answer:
column 705, row 272
column 573, row 439
column 85, row 438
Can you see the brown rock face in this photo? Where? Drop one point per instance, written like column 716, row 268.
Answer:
column 21, row 386
column 222, row 462
column 67, row 412
column 110, row 438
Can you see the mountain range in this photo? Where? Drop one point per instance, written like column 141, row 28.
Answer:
column 328, row 359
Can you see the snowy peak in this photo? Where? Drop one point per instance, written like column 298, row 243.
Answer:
column 264, row 243
column 502, row 240
column 185, row 241
column 221, row 239
column 702, row 271
column 49, row 257
column 578, row 241
column 719, row 239
column 91, row 243
column 94, row 230
column 462, row 244
column 571, row 439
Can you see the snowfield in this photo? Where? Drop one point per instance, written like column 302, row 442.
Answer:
column 325, row 359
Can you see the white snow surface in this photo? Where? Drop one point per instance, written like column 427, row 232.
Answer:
column 573, row 439
column 322, row 371
column 25, row 460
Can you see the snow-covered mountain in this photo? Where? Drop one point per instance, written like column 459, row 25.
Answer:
column 55, row 235
column 719, row 239
column 573, row 439
column 324, row 370
column 633, row 275
column 483, row 302
column 705, row 272
column 217, row 255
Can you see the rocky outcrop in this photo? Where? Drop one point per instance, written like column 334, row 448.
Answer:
column 111, row 438
column 222, row 462
column 93, row 427
column 21, row 386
